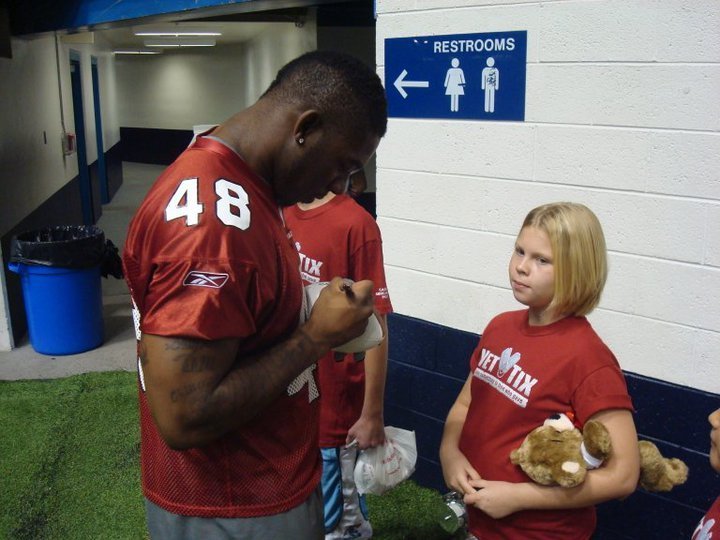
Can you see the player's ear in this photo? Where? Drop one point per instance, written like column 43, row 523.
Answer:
column 307, row 125
column 358, row 183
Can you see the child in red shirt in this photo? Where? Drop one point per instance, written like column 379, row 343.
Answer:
column 529, row 365
column 710, row 523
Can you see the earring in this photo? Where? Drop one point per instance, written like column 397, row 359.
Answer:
column 301, row 140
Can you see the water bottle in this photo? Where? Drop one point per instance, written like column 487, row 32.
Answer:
column 453, row 516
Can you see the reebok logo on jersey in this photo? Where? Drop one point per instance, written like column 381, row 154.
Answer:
column 505, row 374
column 205, row 279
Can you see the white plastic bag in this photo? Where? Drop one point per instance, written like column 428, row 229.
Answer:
column 382, row 468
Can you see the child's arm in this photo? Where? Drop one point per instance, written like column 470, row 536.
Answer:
column 457, row 470
column 369, row 430
column 617, row 478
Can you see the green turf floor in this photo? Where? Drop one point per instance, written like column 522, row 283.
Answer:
column 69, row 466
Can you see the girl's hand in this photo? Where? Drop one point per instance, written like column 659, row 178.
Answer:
column 458, row 473
column 496, row 499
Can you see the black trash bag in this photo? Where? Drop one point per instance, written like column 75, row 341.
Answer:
column 66, row 246
column 111, row 263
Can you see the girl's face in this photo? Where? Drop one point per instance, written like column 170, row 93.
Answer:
column 532, row 276
column 714, row 420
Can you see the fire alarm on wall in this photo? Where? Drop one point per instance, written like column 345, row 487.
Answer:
column 68, row 143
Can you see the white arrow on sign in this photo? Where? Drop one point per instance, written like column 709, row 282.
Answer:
column 401, row 84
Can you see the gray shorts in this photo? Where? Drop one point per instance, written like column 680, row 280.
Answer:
column 304, row 522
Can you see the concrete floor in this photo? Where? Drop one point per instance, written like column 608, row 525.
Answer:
column 118, row 350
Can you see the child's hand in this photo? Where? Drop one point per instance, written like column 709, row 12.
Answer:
column 496, row 499
column 458, row 473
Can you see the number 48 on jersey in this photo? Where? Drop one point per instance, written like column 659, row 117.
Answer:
column 231, row 206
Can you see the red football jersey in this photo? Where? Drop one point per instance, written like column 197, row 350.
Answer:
column 207, row 256
column 339, row 238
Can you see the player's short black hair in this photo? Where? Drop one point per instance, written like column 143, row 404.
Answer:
column 336, row 84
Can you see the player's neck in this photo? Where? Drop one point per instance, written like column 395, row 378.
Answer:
column 329, row 196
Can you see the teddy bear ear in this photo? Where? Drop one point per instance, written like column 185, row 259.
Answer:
column 559, row 422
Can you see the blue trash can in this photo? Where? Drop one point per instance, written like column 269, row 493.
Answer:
column 63, row 307
column 60, row 270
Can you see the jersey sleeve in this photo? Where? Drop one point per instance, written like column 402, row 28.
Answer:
column 203, row 299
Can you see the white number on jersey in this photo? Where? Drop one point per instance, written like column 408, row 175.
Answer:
column 191, row 210
column 230, row 196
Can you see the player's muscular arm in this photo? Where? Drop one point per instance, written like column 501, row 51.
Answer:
column 199, row 390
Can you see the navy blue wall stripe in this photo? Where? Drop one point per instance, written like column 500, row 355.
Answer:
column 429, row 364
column 113, row 163
column 151, row 145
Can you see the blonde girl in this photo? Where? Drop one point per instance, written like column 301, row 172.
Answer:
column 531, row 364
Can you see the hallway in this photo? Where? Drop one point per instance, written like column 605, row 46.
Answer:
column 118, row 350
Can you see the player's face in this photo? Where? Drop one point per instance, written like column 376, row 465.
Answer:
column 714, row 420
column 532, row 276
column 325, row 162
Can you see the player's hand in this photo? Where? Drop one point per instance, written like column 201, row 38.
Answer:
column 496, row 499
column 341, row 312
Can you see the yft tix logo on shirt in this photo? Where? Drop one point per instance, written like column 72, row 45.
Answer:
column 505, row 374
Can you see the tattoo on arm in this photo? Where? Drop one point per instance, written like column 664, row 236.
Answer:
column 194, row 360
column 196, row 364
column 179, row 344
column 184, row 392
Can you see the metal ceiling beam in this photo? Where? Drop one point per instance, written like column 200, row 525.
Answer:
column 42, row 16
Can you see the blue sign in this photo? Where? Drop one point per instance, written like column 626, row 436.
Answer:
column 459, row 76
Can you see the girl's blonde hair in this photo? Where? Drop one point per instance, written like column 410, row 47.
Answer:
column 579, row 255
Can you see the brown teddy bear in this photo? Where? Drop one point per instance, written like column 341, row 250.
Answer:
column 658, row 473
column 557, row 453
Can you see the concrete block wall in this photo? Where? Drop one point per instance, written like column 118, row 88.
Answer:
column 622, row 113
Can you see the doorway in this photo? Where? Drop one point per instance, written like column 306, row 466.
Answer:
column 86, row 192
column 101, row 167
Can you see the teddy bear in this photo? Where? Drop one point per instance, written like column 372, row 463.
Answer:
column 552, row 454
column 658, row 473
column 557, row 453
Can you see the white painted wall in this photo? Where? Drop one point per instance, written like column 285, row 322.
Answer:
column 623, row 115
column 30, row 104
column 181, row 88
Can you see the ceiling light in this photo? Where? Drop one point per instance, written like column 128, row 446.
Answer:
column 180, row 42
column 135, row 51
column 176, row 32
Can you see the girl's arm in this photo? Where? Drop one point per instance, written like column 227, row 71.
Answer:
column 617, row 478
column 457, row 470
